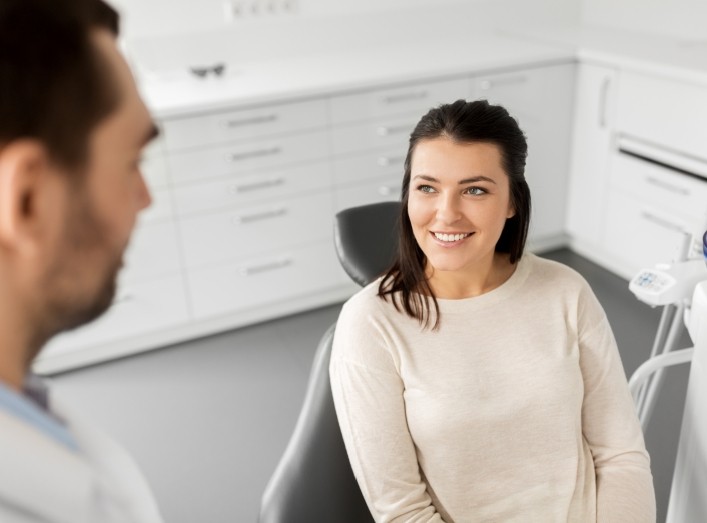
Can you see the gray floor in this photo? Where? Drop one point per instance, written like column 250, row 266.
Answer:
column 207, row 420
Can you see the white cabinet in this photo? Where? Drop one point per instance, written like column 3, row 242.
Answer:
column 408, row 99
column 594, row 116
column 639, row 168
column 669, row 113
column 540, row 99
column 244, row 199
column 259, row 281
column 243, row 124
column 658, row 179
column 370, row 134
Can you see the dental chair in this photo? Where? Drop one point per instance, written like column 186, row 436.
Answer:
column 313, row 482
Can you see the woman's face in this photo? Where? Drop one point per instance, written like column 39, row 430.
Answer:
column 458, row 202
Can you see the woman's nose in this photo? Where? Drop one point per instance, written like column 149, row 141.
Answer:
column 144, row 197
column 448, row 209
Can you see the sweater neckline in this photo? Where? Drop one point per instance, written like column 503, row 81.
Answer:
column 500, row 293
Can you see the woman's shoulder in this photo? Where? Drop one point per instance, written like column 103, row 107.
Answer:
column 366, row 301
column 547, row 272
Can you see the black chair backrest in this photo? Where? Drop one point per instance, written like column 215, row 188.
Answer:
column 314, row 482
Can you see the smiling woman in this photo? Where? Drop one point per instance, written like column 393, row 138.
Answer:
column 457, row 216
column 473, row 381
column 464, row 174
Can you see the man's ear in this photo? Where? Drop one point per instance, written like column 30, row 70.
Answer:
column 24, row 166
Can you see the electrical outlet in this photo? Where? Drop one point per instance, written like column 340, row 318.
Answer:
column 235, row 10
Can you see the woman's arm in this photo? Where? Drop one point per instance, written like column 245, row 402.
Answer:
column 368, row 395
column 610, row 425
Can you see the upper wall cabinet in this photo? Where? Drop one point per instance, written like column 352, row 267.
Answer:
column 541, row 100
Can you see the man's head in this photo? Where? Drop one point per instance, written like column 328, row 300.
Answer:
column 72, row 128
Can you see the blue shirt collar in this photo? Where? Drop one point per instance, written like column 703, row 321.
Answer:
column 32, row 407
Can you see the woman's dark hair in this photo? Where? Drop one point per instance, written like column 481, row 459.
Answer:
column 55, row 86
column 463, row 122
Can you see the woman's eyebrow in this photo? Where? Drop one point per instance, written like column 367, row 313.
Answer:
column 476, row 179
column 473, row 179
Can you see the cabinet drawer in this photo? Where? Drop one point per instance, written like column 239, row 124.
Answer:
column 246, row 157
column 639, row 235
column 244, row 124
column 417, row 99
column 153, row 252
column 668, row 113
column 391, row 133
column 235, row 191
column 256, row 229
column 258, row 281
column 383, row 190
column 374, row 165
column 138, row 309
column 672, row 191
column 520, row 91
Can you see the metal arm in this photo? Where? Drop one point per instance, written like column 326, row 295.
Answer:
column 646, row 370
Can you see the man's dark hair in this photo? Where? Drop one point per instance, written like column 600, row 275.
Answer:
column 463, row 122
column 55, row 86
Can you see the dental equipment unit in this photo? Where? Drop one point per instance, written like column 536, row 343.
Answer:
column 681, row 288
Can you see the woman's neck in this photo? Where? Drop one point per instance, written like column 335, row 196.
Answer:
column 471, row 281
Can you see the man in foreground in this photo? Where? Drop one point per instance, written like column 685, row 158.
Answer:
column 72, row 128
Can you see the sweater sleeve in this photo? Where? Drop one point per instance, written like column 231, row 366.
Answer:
column 611, row 428
column 368, row 396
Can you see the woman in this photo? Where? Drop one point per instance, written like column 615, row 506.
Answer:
column 473, row 381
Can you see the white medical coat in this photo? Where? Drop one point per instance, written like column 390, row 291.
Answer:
column 41, row 480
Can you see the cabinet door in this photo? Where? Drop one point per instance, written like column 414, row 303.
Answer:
column 591, row 145
column 668, row 113
column 642, row 235
column 540, row 99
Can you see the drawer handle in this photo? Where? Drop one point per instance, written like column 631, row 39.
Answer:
column 385, row 190
column 259, row 216
column 255, row 186
column 259, row 153
column 230, row 124
column 511, row 80
column 404, row 97
column 662, row 222
column 668, row 186
column 387, row 130
column 265, row 267
column 385, row 161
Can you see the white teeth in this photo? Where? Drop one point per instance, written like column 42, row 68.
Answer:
column 450, row 237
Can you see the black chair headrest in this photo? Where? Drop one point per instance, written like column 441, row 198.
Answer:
column 366, row 239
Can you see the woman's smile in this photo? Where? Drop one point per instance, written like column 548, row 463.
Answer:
column 448, row 240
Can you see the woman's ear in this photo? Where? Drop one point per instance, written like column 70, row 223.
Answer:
column 511, row 211
column 24, row 166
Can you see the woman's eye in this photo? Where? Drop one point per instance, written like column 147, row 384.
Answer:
column 425, row 188
column 475, row 191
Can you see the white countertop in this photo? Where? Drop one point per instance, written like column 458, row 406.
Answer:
column 360, row 53
column 177, row 92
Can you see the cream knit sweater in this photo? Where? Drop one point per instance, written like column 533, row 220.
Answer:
column 517, row 409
